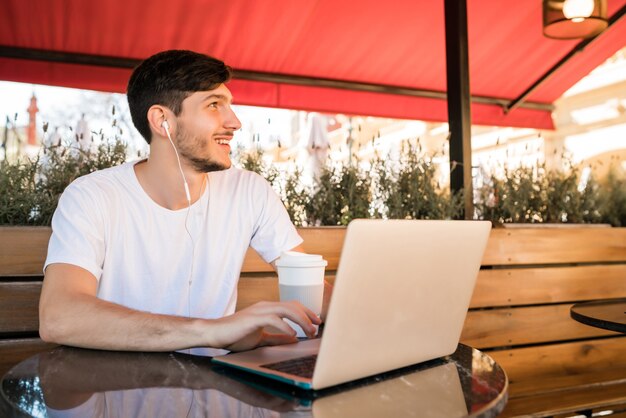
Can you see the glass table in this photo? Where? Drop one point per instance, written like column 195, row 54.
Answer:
column 72, row 382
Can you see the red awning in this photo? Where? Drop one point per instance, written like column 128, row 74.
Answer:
column 399, row 43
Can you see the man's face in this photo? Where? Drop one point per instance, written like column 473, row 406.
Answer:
column 205, row 127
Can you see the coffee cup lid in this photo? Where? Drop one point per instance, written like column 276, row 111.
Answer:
column 298, row 259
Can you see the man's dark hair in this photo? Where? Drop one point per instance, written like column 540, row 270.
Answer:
column 169, row 77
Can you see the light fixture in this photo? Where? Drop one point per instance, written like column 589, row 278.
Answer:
column 571, row 19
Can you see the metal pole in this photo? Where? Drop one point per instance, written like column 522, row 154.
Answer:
column 459, row 118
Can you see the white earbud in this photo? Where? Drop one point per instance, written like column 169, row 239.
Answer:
column 166, row 126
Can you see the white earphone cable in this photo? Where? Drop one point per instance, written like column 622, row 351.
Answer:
column 188, row 195
column 180, row 167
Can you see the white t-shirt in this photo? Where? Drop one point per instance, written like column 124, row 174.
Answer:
column 141, row 253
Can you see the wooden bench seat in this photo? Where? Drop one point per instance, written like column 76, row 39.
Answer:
column 519, row 312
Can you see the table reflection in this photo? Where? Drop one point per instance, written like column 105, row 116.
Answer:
column 71, row 382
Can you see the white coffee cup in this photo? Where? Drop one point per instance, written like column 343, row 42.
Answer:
column 301, row 278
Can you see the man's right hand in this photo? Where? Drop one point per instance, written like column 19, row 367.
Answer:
column 249, row 328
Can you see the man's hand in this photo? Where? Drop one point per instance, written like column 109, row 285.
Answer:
column 248, row 328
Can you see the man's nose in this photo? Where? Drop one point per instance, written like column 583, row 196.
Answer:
column 232, row 121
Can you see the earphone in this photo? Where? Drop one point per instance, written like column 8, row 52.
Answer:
column 166, row 126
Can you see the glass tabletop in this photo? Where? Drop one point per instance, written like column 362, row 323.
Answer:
column 71, row 382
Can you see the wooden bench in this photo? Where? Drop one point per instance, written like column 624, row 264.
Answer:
column 519, row 312
column 520, row 315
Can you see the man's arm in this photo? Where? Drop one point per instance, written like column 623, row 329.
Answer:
column 71, row 314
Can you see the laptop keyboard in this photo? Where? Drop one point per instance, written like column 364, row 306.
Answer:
column 301, row 366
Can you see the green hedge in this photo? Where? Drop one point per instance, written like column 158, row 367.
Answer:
column 404, row 189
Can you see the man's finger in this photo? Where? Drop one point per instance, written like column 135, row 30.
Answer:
column 309, row 313
column 276, row 322
column 299, row 314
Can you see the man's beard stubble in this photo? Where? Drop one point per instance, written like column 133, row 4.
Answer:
column 189, row 147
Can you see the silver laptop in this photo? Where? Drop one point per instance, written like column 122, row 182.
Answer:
column 401, row 295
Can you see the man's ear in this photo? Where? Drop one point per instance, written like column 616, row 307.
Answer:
column 158, row 114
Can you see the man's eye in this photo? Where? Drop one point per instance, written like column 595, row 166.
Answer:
column 213, row 105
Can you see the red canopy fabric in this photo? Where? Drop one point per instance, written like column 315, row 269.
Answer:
column 400, row 43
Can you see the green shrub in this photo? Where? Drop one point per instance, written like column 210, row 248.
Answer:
column 613, row 198
column 404, row 189
column 338, row 196
column 410, row 190
column 536, row 195
column 295, row 197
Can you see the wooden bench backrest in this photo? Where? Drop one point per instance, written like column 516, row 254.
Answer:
column 537, row 267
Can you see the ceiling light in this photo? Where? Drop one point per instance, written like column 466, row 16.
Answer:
column 572, row 19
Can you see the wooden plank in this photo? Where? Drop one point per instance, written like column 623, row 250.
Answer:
column 532, row 364
column 526, row 286
column 15, row 350
column 528, row 246
column 527, row 325
column 19, row 306
column 251, row 290
column 555, row 245
column 558, row 383
column 23, row 249
column 505, row 246
column 570, row 401
column 326, row 241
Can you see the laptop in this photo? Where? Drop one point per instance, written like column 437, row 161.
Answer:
column 401, row 294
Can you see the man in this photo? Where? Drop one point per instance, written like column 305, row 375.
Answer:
column 146, row 256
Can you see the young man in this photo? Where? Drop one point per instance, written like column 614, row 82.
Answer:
column 146, row 256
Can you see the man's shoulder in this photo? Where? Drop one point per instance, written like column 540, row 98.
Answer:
column 103, row 180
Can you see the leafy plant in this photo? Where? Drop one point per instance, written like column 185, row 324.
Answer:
column 339, row 196
column 565, row 202
column 295, row 197
column 613, row 197
column 411, row 190
column 252, row 160
column 403, row 189
column 516, row 198
column 529, row 194
column 18, row 193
